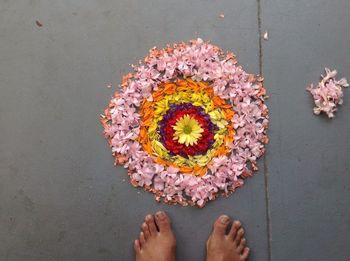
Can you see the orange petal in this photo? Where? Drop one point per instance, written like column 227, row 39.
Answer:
column 218, row 101
column 186, row 169
column 148, row 147
column 170, row 88
column 199, row 170
column 229, row 114
column 181, row 83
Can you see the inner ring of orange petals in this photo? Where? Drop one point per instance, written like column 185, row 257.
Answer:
column 147, row 114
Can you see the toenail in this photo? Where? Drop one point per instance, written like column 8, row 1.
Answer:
column 237, row 223
column 224, row 219
column 148, row 217
column 160, row 214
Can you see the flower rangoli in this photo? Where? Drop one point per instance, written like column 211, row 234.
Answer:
column 188, row 123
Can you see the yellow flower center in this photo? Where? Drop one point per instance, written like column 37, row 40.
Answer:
column 187, row 130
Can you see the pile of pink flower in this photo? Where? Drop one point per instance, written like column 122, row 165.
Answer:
column 197, row 61
column 328, row 93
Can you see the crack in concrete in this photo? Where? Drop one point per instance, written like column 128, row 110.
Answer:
column 266, row 173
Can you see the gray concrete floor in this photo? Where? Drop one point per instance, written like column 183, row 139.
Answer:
column 61, row 198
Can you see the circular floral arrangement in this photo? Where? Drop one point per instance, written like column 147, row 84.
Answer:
column 188, row 124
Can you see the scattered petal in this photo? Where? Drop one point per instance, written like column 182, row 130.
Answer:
column 38, row 23
column 266, row 36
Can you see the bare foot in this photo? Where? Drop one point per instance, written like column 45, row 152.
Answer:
column 157, row 241
column 223, row 246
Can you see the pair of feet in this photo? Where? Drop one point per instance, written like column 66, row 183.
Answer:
column 157, row 241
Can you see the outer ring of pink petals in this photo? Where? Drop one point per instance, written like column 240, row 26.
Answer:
column 200, row 61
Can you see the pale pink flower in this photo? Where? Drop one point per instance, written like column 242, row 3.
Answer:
column 328, row 93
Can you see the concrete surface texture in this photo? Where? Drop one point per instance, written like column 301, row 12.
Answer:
column 61, row 198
